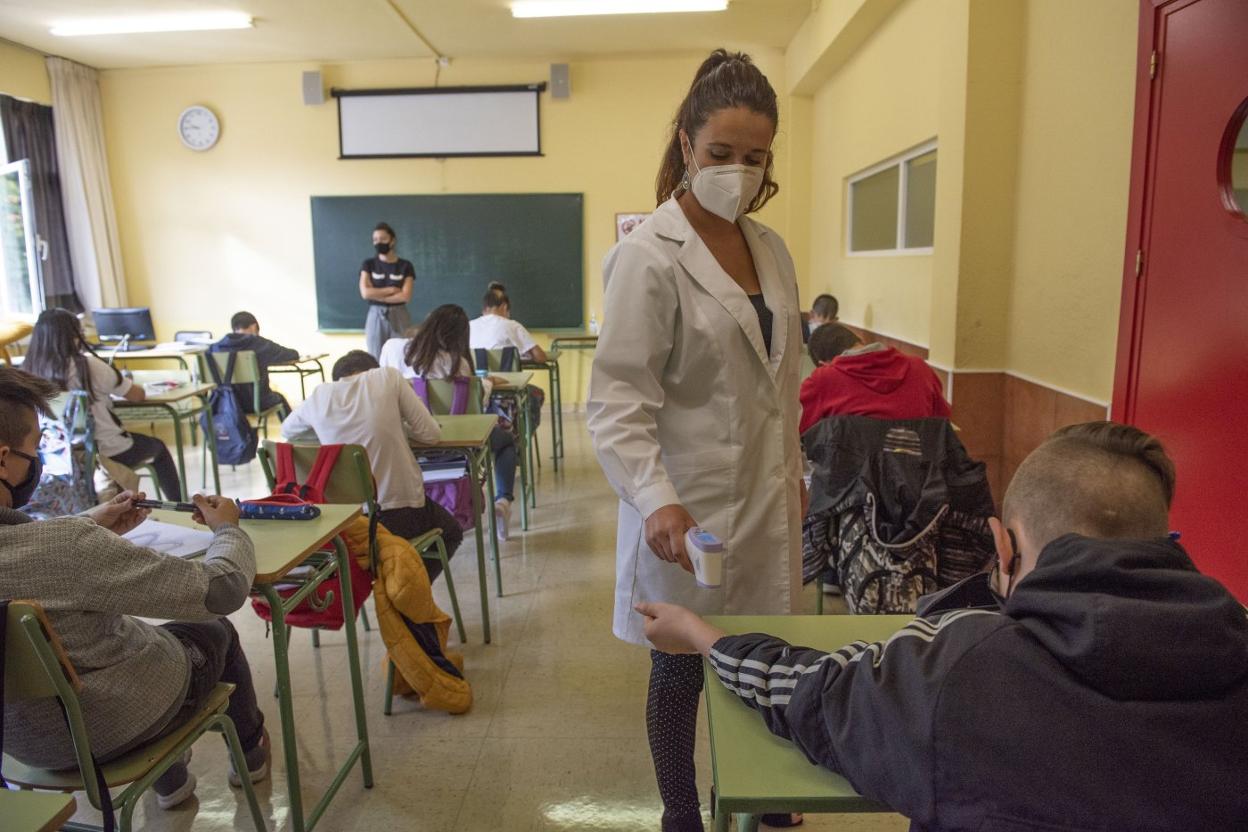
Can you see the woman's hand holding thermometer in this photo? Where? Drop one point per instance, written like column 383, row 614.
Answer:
column 665, row 534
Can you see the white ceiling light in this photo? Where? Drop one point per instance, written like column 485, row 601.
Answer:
column 132, row 24
column 577, row 8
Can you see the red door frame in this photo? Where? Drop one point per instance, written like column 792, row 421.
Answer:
column 1131, row 307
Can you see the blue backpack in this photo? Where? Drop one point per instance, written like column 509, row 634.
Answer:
column 236, row 438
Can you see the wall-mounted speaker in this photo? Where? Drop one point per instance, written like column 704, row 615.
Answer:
column 560, row 81
column 313, row 88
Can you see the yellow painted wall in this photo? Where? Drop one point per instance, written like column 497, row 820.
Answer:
column 206, row 234
column 882, row 101
column 23, row 73
column 1073, row 180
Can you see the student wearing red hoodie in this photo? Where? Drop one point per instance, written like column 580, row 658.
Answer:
column 856, row 379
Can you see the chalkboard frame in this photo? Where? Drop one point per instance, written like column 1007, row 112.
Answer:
column 574, row 267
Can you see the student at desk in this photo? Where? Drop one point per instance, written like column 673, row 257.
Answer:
column 495, row 330
column 245, row 336
column 59, row 352
column 376, row 407
column 440, row 350
column 1094, row 680
column 139, row 681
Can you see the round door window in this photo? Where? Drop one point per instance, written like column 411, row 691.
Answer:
column 1236, row 178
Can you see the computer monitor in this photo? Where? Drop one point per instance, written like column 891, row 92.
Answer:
column 132, row 324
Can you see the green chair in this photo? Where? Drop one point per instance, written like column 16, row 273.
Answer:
column 246, row 371
column 351, row 481
column 442, row 395
column 36, row 667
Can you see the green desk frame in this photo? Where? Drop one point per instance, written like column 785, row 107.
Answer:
column 517, row 389
column 298, row 366
column 280, row 547
column 551, row 366
column 166, row 405
column 757, row 772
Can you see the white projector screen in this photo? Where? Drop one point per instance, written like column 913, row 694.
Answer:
column 441, row 121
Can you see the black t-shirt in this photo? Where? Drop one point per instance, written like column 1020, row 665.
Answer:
column 764, row 319
column 383, row 275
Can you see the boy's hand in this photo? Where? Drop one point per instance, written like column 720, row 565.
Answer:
column 119, row 514
column 215, row 512
column 673, row 629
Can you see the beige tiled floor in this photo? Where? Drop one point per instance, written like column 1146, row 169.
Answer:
column 556, row 737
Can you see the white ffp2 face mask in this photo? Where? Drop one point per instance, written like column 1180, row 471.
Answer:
column 725, row 190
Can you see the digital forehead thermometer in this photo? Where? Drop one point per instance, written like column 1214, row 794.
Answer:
column 706, row 552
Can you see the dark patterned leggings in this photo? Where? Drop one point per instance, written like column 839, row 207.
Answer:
column 672, row 727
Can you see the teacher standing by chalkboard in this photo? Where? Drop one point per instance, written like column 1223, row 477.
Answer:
column 386, row 283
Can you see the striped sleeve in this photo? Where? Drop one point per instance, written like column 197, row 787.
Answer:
column 864, row 711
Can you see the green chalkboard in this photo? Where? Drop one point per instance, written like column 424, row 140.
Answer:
column 531, row 243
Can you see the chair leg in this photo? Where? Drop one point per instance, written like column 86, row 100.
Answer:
column 316, row 637
column 368, row 628
column 226, row 726
column 450, row 586
column 385, row 706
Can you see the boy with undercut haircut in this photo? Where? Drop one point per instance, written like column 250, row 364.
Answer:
column 139, row 680
column 1093, row 680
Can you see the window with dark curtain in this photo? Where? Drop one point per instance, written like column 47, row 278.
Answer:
column 28, row 134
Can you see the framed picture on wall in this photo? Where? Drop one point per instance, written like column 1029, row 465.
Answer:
column 625, row 223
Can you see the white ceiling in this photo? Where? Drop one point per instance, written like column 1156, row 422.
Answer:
column 339, row 30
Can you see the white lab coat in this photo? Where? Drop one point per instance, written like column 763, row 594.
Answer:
column 686, row 406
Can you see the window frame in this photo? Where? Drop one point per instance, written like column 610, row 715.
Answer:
column 903, row 182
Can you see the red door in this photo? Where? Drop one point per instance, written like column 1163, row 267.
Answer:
column 1183, row 340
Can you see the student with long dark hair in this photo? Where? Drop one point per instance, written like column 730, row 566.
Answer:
column 386, row 283
column 59, row 352
column 693, row 398
column 440, row 350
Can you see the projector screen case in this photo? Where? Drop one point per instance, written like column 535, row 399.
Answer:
column 440, row 122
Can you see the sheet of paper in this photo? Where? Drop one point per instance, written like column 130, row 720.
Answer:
column 169, row 538
column 444, row 475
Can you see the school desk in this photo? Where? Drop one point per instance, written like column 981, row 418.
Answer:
column 184, row 354
column 469, row 436
column 551, row 366
column 35, row 811
column 756, row 772
column 282, row 545
column 304, row 365
column 515, row 386
column 175, row 404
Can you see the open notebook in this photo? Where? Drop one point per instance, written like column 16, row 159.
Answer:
column 170, row 538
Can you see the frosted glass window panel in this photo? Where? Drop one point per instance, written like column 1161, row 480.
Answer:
column 452, row 123
column 873, row 211
column 920, row 201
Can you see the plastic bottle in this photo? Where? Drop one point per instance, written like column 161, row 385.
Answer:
column 593, row 324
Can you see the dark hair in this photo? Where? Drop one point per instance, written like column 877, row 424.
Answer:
column 353, row 363
column 21, row 392
column 494, row 298
column 826, row 307
column 56, row 345
column 242, row 320
column 830, row 340
column 725, row 80
column 444, row 331
column 384, row 226
column 1098, row 479
column 495, row 286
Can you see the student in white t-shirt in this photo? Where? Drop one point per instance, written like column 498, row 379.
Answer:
column 60, row 353
column 495, row 330
column 440, row 350
column 377, row 408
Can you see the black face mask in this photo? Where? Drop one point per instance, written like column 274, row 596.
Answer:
column 382, row 248
column 24, row 490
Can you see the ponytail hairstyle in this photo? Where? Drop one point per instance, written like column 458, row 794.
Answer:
column 725, row 79
column 57, row 344
column 444, row 331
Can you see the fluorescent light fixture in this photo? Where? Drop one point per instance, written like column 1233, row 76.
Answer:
column 578, row 8
column 134, row 24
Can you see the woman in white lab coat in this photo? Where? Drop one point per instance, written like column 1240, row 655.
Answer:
column 694, row 396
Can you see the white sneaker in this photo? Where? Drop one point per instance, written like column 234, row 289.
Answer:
column 182, row 792
column 502, row 518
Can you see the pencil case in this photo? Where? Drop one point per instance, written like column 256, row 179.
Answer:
column 271, row 509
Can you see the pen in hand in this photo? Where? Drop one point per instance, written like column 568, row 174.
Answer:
column 167, row 506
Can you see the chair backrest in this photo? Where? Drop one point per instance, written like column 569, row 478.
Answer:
column 193, row 336
column 246, row 370
column 442, row 395
column 36, row 666
column 807, row 364
column 350, row 482
column 504, row 360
